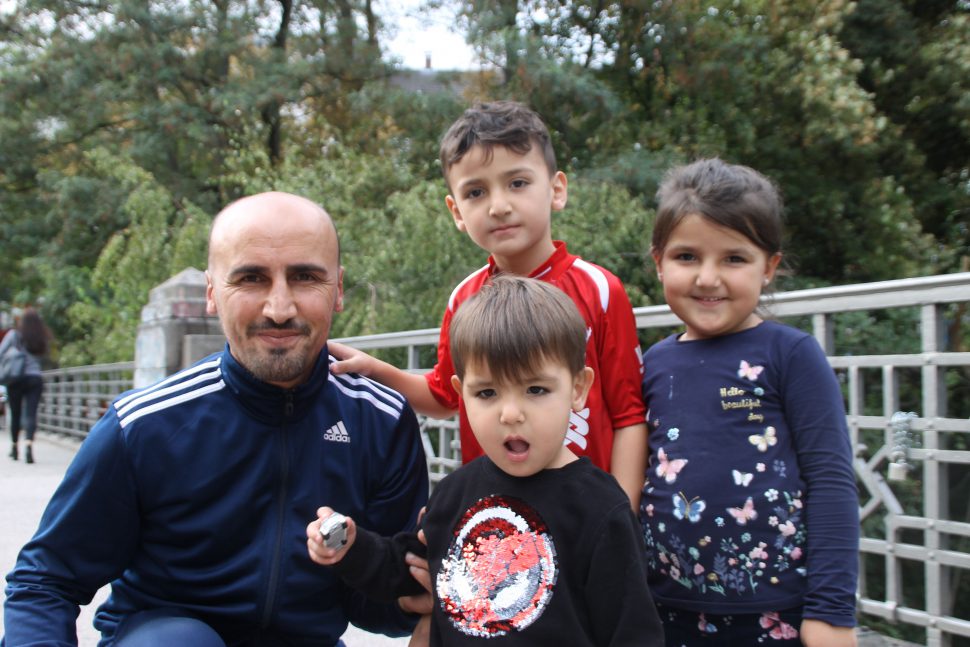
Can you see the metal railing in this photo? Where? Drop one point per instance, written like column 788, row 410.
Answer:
column 75, row 398
column 903, row 469
column 906, row 463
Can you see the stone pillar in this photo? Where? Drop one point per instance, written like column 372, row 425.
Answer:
column 175, row 330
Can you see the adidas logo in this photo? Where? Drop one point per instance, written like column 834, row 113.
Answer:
column 337, row 433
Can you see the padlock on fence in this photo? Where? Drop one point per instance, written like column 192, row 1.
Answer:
column 902, row 442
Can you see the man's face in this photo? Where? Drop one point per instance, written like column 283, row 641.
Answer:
column 275, row 281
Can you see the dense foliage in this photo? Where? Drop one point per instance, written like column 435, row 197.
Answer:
column 125, row 125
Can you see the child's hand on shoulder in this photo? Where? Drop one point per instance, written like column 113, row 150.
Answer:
column 320, row 553
column 349, row 360
column 815, row 633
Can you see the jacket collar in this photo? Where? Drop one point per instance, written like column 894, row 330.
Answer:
column 268, row 402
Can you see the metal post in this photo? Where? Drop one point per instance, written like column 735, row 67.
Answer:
column 934, row 490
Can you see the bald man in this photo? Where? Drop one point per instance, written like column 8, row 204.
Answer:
column 191, row 496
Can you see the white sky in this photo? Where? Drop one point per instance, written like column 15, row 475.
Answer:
column 420, row 33
column 416, row 35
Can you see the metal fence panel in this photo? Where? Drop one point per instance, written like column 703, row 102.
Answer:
column 75, row 398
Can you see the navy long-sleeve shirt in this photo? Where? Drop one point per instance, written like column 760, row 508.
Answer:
column 751, row 503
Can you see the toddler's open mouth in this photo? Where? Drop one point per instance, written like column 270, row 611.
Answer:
column 516, row 447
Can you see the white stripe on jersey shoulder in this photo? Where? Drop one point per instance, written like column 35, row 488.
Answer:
column 362, row 388
column 596, row 274
column 175, row 377
column 170, row 402
column 360, row 382
column 190, row 378
column 176, row 382
column 454, row 293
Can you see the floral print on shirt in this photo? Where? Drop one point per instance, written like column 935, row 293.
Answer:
column 730, row 541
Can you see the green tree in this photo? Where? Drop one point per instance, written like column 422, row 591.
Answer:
column 164, row 85
column 916, row 63
column 769, row 84
column 164, row 236
column 858, row 110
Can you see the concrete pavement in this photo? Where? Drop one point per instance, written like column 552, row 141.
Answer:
column 24, row 492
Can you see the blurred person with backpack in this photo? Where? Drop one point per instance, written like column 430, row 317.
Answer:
column 33, row 337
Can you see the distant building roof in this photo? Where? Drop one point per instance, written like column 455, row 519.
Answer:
column 431, row 81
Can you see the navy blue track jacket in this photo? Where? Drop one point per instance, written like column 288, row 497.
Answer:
column 195, row 494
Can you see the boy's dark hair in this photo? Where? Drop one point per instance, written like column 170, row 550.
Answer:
column 497, row 123
column 513, row 324
column 730, row 195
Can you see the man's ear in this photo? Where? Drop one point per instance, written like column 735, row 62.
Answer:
column 456, row 384
column 210, row 300
column 455, row 213
column 339, row 305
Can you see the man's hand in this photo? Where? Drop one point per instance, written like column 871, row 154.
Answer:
column 319, row 552
column 815, row 633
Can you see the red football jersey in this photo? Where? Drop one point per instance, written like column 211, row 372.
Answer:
column 612, row 351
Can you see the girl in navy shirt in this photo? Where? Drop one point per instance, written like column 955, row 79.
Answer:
column 750, row 508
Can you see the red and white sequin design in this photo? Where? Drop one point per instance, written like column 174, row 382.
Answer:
column 500, row 570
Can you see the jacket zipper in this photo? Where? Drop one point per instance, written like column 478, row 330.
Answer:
column 274, row 572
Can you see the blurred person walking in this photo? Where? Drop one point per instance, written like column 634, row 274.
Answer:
column 23, row 395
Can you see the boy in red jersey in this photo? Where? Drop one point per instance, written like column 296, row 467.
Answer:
column 503, row 186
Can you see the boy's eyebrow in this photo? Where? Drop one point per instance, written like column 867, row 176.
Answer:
column 521, row 379
column 537, row 377
column 519, row 170
column 475, row 385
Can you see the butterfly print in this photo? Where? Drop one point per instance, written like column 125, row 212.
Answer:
column 742, row 478
column 765, row 440
column 778, row 629
column 750, row 372
column 689, row 509
column 669, row 469
column 745, row 514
